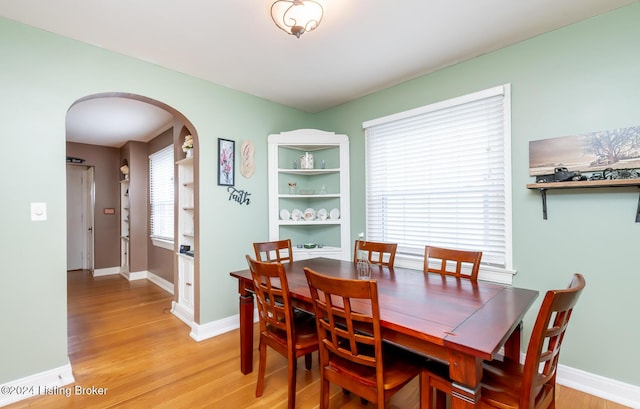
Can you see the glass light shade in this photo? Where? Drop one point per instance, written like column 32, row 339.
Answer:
column 296, row 16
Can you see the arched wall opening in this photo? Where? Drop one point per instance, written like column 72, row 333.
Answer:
column 141, row 257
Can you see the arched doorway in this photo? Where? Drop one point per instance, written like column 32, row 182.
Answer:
column 90, row 122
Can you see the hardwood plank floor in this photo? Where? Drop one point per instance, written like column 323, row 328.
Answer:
column 126, row 345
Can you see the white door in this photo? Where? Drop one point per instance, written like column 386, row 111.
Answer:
column 90, row 200
column 79, row 218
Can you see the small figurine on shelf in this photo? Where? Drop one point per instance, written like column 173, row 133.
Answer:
column 187, row 146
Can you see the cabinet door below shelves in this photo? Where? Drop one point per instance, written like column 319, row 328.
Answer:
column 185, row 282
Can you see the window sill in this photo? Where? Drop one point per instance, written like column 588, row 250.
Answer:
column 165, row 244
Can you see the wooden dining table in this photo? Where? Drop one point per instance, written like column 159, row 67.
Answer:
column 454, row 320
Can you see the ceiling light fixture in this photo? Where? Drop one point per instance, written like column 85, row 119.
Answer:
column 296, row 16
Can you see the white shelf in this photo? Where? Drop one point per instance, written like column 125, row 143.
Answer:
column 309, row 222
column 287, row 196
column 308, row 171
column 185, row 161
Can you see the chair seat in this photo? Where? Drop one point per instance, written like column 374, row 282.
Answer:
column 306, row 335
column 399, row 368
column 502, row 384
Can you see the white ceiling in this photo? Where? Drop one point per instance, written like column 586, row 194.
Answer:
column 360, row 47
column 112, row 121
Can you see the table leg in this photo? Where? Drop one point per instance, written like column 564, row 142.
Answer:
column 512, row 346
column 246, row 332
column 465, row 372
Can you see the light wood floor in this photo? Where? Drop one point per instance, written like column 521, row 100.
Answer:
column 124, row 339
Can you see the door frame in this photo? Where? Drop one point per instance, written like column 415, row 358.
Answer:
column 87, row 208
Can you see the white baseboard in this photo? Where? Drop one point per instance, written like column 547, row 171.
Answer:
column 212, row 329
column 43, row 383
column 596, row 385
column 160, row 282
column 182, row 313
column 106, row 271
column 135, row 275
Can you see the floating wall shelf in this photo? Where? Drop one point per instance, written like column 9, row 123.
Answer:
column 583, row 184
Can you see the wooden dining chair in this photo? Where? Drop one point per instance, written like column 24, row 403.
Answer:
column 279, row 251
column 352, row 354
column 376, row 252
column 446, row 257
column 290, row 335
column 507, row 383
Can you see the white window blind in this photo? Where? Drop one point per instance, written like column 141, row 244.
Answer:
column 440, row 175
column 161, row 193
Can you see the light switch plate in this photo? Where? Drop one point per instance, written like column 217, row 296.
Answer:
column 38, row 211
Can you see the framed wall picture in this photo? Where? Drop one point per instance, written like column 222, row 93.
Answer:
column 226, row 165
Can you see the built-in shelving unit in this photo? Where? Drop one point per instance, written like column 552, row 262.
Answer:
column 583, row 184
column 184, row 305
column 323, row 186
column 124, row 226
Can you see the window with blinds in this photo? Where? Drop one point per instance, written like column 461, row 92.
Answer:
column 440, row 175
column 161, row 189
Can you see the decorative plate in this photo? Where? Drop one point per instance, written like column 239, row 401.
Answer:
column 334, row 213
column 296, row 215
column 309, row 214
column 284, row 214
column 323, row 214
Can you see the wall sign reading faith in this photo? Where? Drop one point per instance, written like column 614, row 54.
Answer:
column 240, row 196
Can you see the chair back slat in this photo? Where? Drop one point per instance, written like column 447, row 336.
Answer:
column 546, row 338
column 451, row 262
column 376, row 252
column 274, row 251
column 272, row 295
column 348, row 319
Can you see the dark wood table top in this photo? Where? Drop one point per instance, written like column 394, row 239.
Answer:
column 428, row 312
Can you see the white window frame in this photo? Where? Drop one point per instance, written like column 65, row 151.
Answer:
column 503, row 273
column 165, row 159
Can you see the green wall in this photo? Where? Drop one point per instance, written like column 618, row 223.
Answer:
column 578, row 79
column 41, row 75
column 582, row 78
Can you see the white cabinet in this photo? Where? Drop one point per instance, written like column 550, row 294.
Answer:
column 185, row 285
column 124, row 226
column 299, row 192
column 184, row 304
